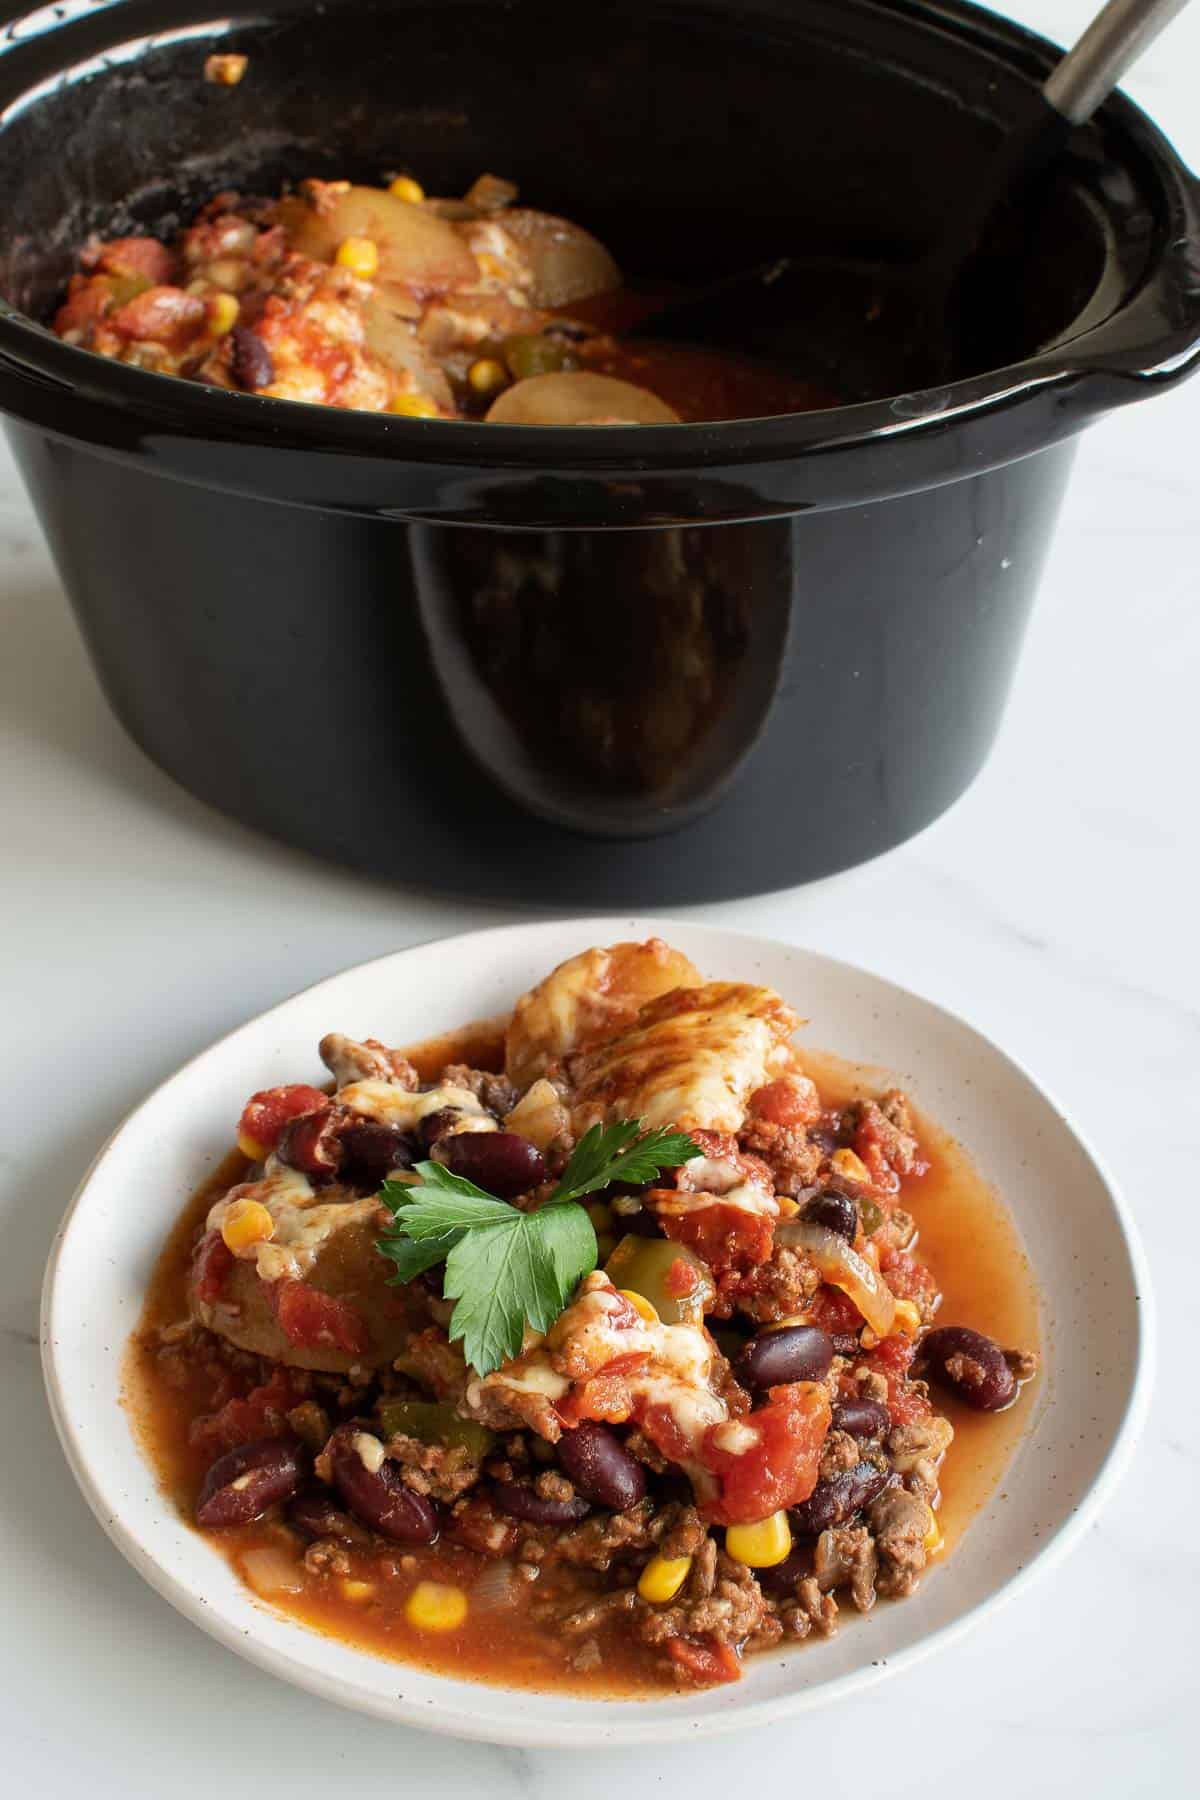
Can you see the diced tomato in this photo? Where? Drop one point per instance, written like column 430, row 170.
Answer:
column 266, row 1113
column 260, row 1413
column 834, row 1312
column 161, row 315
column 658, row 1423
column 136, row 256
column 680, row 1279
column 781, row 1468
column 727, row 1237
column 705, row 1661
column 792, row 1100
column 212, row 1260
column 604, row 1395
column 313, row 1320
column 892, row 1359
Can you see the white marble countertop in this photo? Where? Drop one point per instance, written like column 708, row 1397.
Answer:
column 1056, row 907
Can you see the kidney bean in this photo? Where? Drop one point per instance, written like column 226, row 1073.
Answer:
column 251, row 366
column 834, row 1501
column 519, row 1501
column 378, row 1496
column 861, row 1418
column 601, row 1467
column 371, row 1151
column 316, row 1515
column 503, row 1162
column 243, row 1483
column 836, row 1212
column 312, row 1144
column 971, row 1365
column 792, row 1353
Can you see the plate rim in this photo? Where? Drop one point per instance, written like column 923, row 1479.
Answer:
column 668, row 1718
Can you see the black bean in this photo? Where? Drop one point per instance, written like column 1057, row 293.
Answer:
column 503, row 1162
column 251, row 365
column 378, row 1496
column 836, row 1212
column 861, row 1418
column 971, row 1365
column 244, row 1483
column 371, row 1151
column 834, row 1501
column 791, row 1353
column 520, row 1501
column 600, row 1466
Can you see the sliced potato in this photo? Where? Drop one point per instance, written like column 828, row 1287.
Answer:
column 579, row 399
column 348, row 1266
column 587, row 998
column 390, row 337
column 417, row 250
column 568, row 263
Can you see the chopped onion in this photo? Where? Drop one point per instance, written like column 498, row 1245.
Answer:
column 497, row 1586
column 270, row 1571
column 842, row 1266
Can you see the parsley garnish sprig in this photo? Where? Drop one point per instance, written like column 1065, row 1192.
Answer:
column 506, row 1268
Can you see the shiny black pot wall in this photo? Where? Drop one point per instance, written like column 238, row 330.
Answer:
column 623, row 666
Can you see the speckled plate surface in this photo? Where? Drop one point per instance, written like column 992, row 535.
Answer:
column 1078, row 1236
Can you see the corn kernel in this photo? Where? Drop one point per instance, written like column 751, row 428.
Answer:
column 414, row 406
column 788, row 1208
column 251, row 1148
column 247, row 1222
column 662, row 1578
column 358, row 1591
column 433, row 1606
column 223, row 310
column 360, row 255
column 761, row 1545
column 640, row 1305
column 908, row 1318
column 226, row 70
column 934, row 1540
column 405, row 188
column 487, row 376
column 851, row 1166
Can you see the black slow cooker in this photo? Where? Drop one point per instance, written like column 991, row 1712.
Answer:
column 630, row 665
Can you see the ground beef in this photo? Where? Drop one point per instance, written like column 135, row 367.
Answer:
column 810, row 1611
column 900, row 1523
column 639, row 1445
column 733, row 1611
column 326, row 1557
column 887, row 1123
column 598, row 1612
column 845, row 1557
column 440, row 1471
column 349, row 1061
column 480, row 1525
column 788, row 1151
column 681, row 1531
column 1023, row 1363
column 838, row 1453
column 779, row 1287
column 494, row 1092
column 595, row 1542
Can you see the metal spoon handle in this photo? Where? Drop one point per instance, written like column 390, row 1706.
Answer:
column 1114, row 40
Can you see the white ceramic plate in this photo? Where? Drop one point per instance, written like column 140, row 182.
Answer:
column 1081, row 1243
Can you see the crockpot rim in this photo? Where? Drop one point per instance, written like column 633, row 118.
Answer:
column 166, row 407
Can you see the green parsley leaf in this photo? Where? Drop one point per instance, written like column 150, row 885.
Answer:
column 506, row 1269
column 622, row 1152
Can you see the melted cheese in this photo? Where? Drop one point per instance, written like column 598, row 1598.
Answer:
column 691, row 1058
column 393, row 1105
column 586, row 998
column 303, row 1223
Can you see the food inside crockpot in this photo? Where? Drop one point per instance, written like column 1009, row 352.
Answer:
column 384, row 300
column 604, row 1358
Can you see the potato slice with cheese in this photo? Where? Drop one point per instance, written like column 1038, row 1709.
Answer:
column 312, row 1291
column 589, row 997
column 691, row 1058
column 417, row 250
